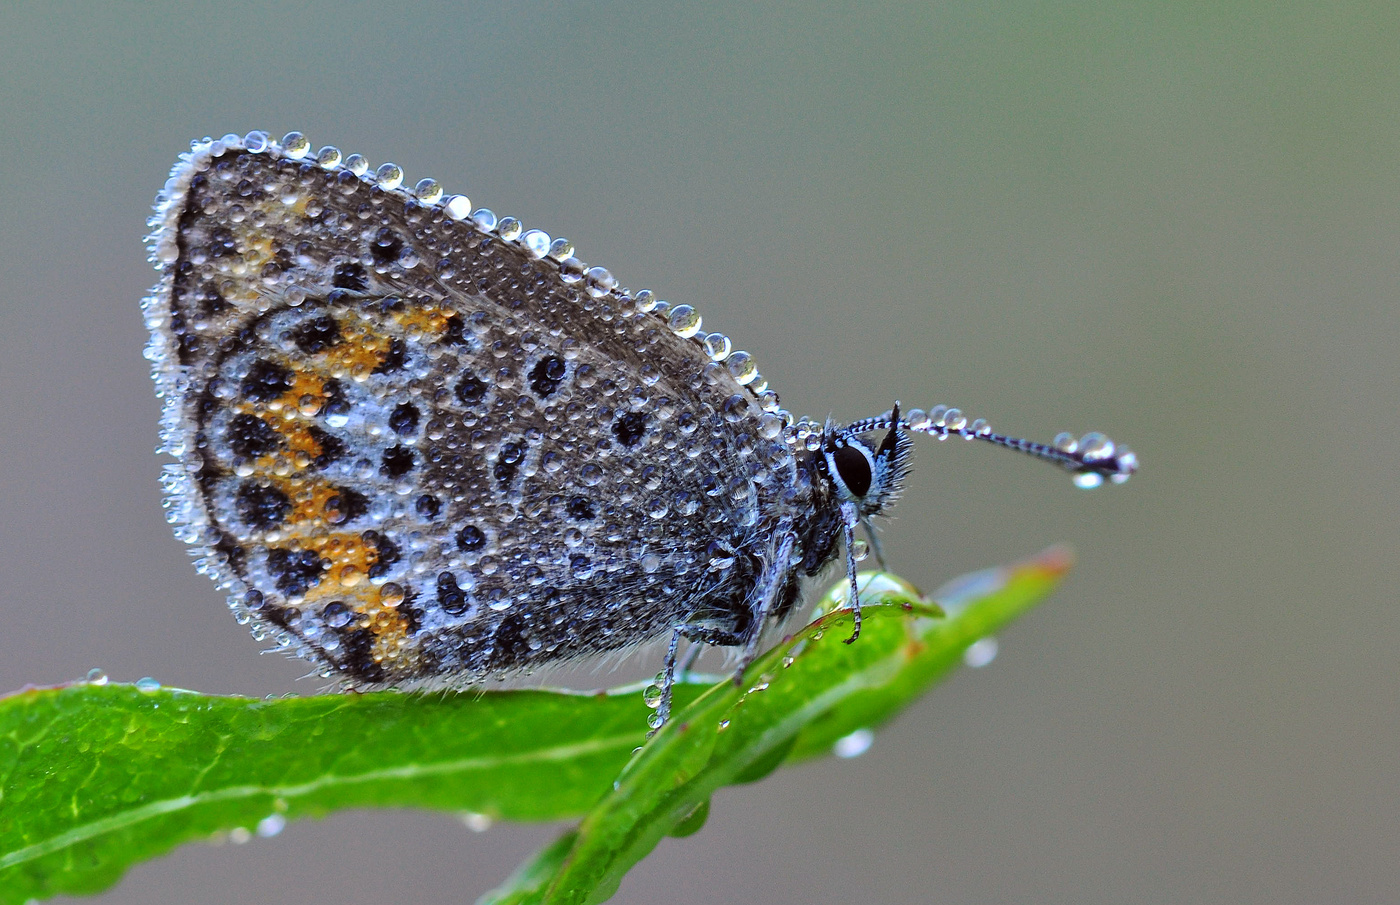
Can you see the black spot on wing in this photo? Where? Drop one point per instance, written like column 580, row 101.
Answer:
column 510, row 646
column 396, row 359
column 508, row 463
column 450, row 597
column 221, row 242
column 471, row 391
column 397, row 461
column 294, row 571
column 261, row 507
column 350, row 275
column 546, row 376
column 628, row 428
column 386, row 553
column 454, row 331
column 345, row 505
column 411, row 612
column 403, row 420
column 266, row 381
column 210, row 300
column 357, row 656
column 386, row 247
column 250, row 436
column 332, row 448
column 317, row 334
column 471, row 538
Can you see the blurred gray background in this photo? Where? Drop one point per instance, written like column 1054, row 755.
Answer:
column 1173, row 222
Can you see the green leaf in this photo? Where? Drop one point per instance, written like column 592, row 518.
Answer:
column 531, row 879
column 795, row 702
column 94, row 778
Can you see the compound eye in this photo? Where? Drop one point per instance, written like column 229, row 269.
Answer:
column 854, row 468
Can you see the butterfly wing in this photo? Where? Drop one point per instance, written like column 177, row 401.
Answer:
column 417, row 451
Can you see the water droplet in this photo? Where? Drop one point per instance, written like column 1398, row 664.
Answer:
column 96, row 676
column 1088, row 480
column 328, row 157
column 599, row 282
column 357, row 164
column 271, row 825
column 485, row 219
column 571, row 270
column 855, row 744
column 336, row 614
column 428, row 191
column 684, row 321
column 477, row 823
column 1094, row 447
column 954, row 420
column 146, row 685
column 561, row 249
column 717, row 346
column 389, row 176
column 239, row 835
column 1127, row 464
column 1065, row 442
column 742, row 367
column 735, row 408
column 861, row 550
column 918, row 419
column 295, row 145
column 652, row 696
column 723, row 725
column 770, row 426
column 981, row 652
column 458, row 207
column 537, row 241
column 509, row 228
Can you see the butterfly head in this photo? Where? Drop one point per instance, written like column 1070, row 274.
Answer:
column 868, row 474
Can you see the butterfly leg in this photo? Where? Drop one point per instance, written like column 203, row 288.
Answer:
column 691, row 655
column 770, row 584
column 875, row 546
column 849, row 519
column 663, row 710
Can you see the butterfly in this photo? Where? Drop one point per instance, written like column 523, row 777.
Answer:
column 422, row 446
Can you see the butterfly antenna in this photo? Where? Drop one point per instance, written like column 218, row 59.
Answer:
column 1091, row 458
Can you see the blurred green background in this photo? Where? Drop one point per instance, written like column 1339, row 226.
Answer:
column 1173, row 222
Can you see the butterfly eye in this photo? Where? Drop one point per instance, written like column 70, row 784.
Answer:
column 853, row 467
